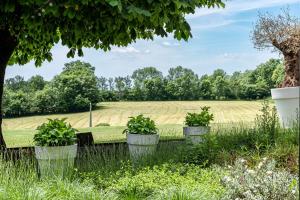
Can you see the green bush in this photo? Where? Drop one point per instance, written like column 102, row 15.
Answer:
column 267, row 122
column 159, row 182
column 102, row 124
column 262, row 182
column 265, row 138
column 199, row 119
column 56, row 132
column 141, row 125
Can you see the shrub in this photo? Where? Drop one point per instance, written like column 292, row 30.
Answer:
column 262, row 182
column 102, row 124
column 56, row 132
column 267, row 122
column 141, row 125
column 199, row 119
column 161, row 182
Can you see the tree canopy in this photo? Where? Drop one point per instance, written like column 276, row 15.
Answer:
column 36, row 25
column 30, row 28
column 281, row 33
column 76, row 86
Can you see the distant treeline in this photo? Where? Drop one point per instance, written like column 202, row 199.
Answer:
column 74, row 88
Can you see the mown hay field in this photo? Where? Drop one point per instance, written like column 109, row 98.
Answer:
column 168, row 115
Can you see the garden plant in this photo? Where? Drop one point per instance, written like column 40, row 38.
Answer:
column 142, row 136
column 197, row 124
column 234, row 162
column 55, row 148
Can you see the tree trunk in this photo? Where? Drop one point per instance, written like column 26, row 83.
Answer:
column 292, row 70
column 7, row 45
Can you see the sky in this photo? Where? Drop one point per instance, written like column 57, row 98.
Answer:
column 221, row 39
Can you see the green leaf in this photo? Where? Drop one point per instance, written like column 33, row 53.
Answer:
column 113, row 2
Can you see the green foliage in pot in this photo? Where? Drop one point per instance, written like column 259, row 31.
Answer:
column 141, row 125
column 199, row 119
column 56, row 132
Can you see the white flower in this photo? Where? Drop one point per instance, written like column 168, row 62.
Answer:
column 293, row 191
column 269, row 172
column 265, row 159
column 250, row 171
column 247, row 193
column 260, row 165
column 243, row 161
column 226, row 179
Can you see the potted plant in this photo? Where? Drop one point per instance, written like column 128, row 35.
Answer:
column 197, row 124
column 142, row 136
column 55, row 148
column 282, row 32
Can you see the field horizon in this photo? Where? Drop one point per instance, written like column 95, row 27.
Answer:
column 168, row 115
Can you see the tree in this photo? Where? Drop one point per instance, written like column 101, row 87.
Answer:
column 206, row 88
column 182, row 83
column 263, row 72
column 282, row 33
column 146, row 73
column 36, row 83
column 102, row 83
column 16, row 103
column 30, row 28
column 219, row 87
column 140, row 76
column 155, row 89
column 76, row 86
column 122, row 86
column 47, row 101
column 218, row 72
column 16, row 83
column 278, row 74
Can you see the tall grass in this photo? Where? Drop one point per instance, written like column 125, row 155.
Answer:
column 178, row 170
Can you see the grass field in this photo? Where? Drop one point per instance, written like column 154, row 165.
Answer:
column 169, row 116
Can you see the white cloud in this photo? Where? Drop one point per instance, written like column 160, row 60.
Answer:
column 129, row 49
column 166, row 43
column 235, row 6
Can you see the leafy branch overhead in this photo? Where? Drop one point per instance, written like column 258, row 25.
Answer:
column 37, row 25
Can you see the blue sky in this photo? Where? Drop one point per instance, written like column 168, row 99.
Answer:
column 221, row 39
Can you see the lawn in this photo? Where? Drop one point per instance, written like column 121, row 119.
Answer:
column 168, row 115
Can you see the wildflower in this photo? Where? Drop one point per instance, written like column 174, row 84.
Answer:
column 269, row 172
column 226, row 179
column 247, row 193
column 243, row 161
column 265, row 159
column 260, row 165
